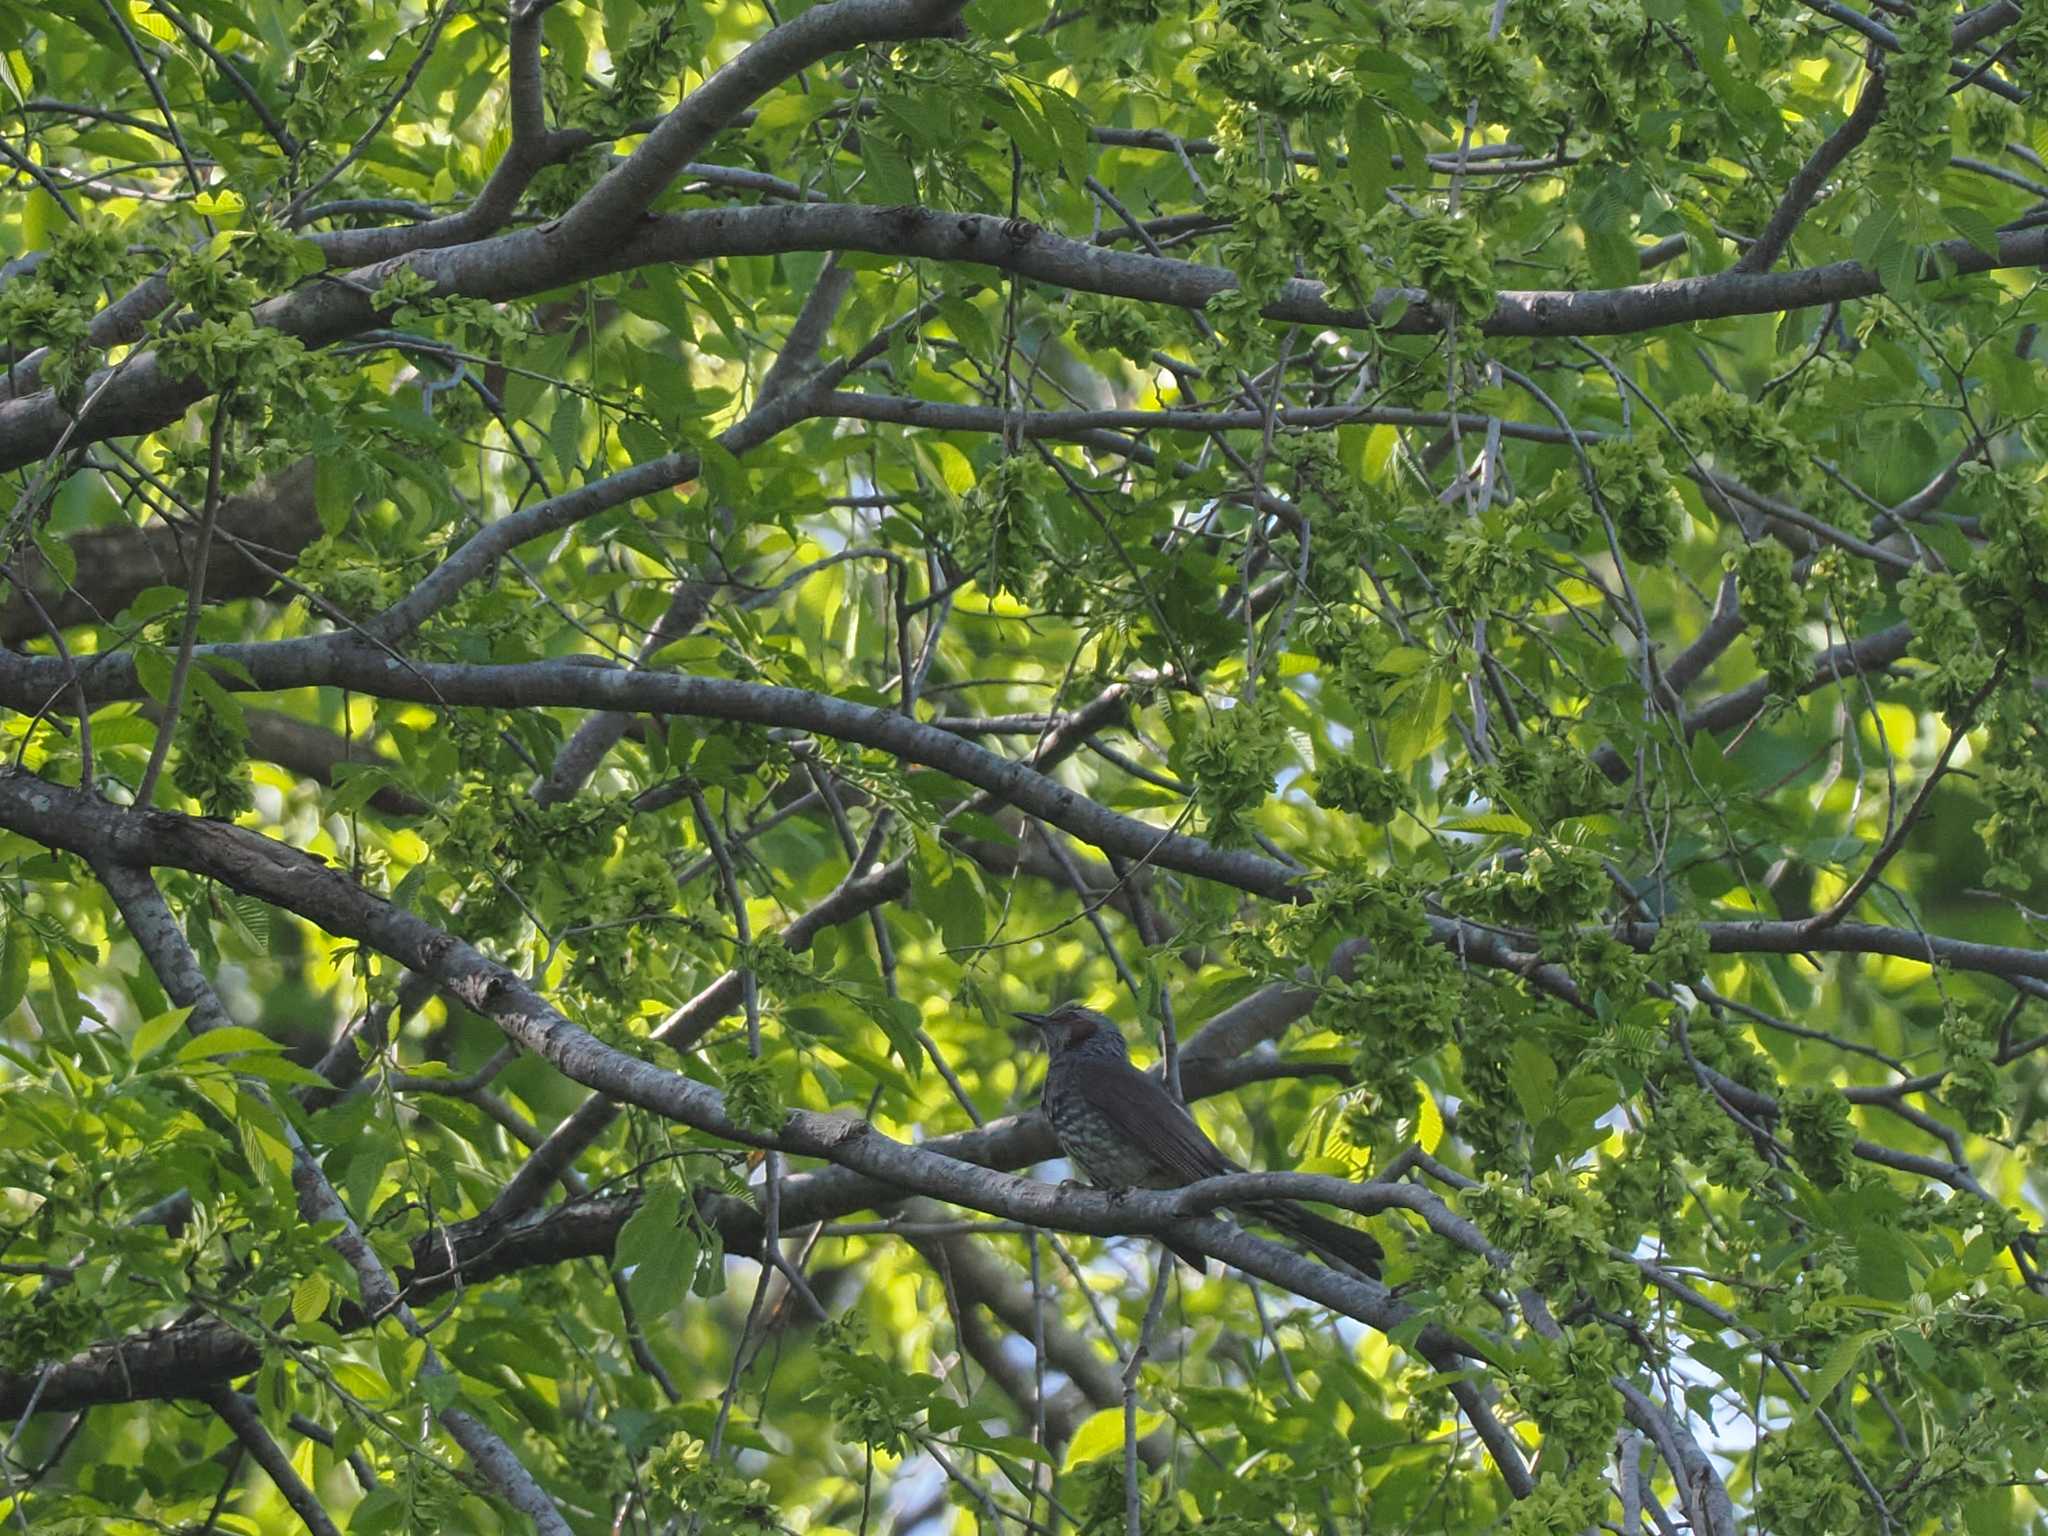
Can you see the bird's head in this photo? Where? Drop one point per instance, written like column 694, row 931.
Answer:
column 1071, row 1027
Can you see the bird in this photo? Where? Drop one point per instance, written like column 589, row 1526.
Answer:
column 1123, row 1130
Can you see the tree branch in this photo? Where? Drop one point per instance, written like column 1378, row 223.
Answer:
column 240, row 1415
column 522, row 262
column 1806, row 184
column 631, row 188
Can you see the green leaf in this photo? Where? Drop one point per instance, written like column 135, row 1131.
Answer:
column 1884, row 1261
column 355, row 784
column 263, row 1141
column 1429, row 1119
column 1841, row 1360
column 663, row 1251
column 962, row 910
column 228, row 1040
column 362, row 1381
column 158, row 1032
column 1534, row 1080
column 1068, row 124
column 14, row 962
column 311, row 1296
column 282, row 1071
column 1486, row 821
column 59, row 556
column 565, row 432
column 1020, row 1447
column 154, row 667
column 1898, row 268
column 889, row 181
column 1975, row 226
column 153, row 603
column 901, row 1021
column 1420, row 725
column 1371, row 154
column 999, row 19
column 1102, row 1434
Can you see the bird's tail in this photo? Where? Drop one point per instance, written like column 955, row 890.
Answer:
column 1332, row 1241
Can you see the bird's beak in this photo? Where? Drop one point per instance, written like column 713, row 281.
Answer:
column 1035, row 1020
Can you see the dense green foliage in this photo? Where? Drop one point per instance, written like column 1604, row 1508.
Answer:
column 1474, row 569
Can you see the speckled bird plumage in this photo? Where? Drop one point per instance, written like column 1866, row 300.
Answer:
column 1123, row 1130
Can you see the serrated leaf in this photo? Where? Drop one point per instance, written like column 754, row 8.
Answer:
column 153, row 668
column 334, row 492
column 153, row 603
column 663, row 1251
column 963, row 914
column 206, row 687
column 151, row 22
column 261, row 1145
column 283, row 1071
column 228, row 1040
column 1898, row 268
column 355, row 784
column 1534, row 1080
column 889, row 181
column 158, row 1032
column 901, row 1021
column 310, row 1297
column 1103, row 1433
column 1018, row 1446
column 1419, row 726
column 361, row 1381
column 565, row 432
column 1371, row 154
column 1841, row 1360
column 1429, row 1119
column 1486, row 821
column 1975, row 226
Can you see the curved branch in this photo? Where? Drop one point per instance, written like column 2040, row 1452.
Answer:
column 179, row 1360
column 240, row 1415
column 32, row 683
column 1806, row 184
column 250, row 863
column 341, row 660
column 818, row 33
column 523, row 262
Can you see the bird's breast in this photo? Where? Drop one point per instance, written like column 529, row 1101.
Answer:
column 1107, row 1154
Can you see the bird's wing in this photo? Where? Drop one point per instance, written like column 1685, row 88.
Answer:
column 1138, row 1100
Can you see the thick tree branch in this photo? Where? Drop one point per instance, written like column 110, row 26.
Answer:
column 532, row 149
column 340, row 661
column 277, row 519
column 169, row 1362
column 32, row 682
column 523, row 262
column 118, row 839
